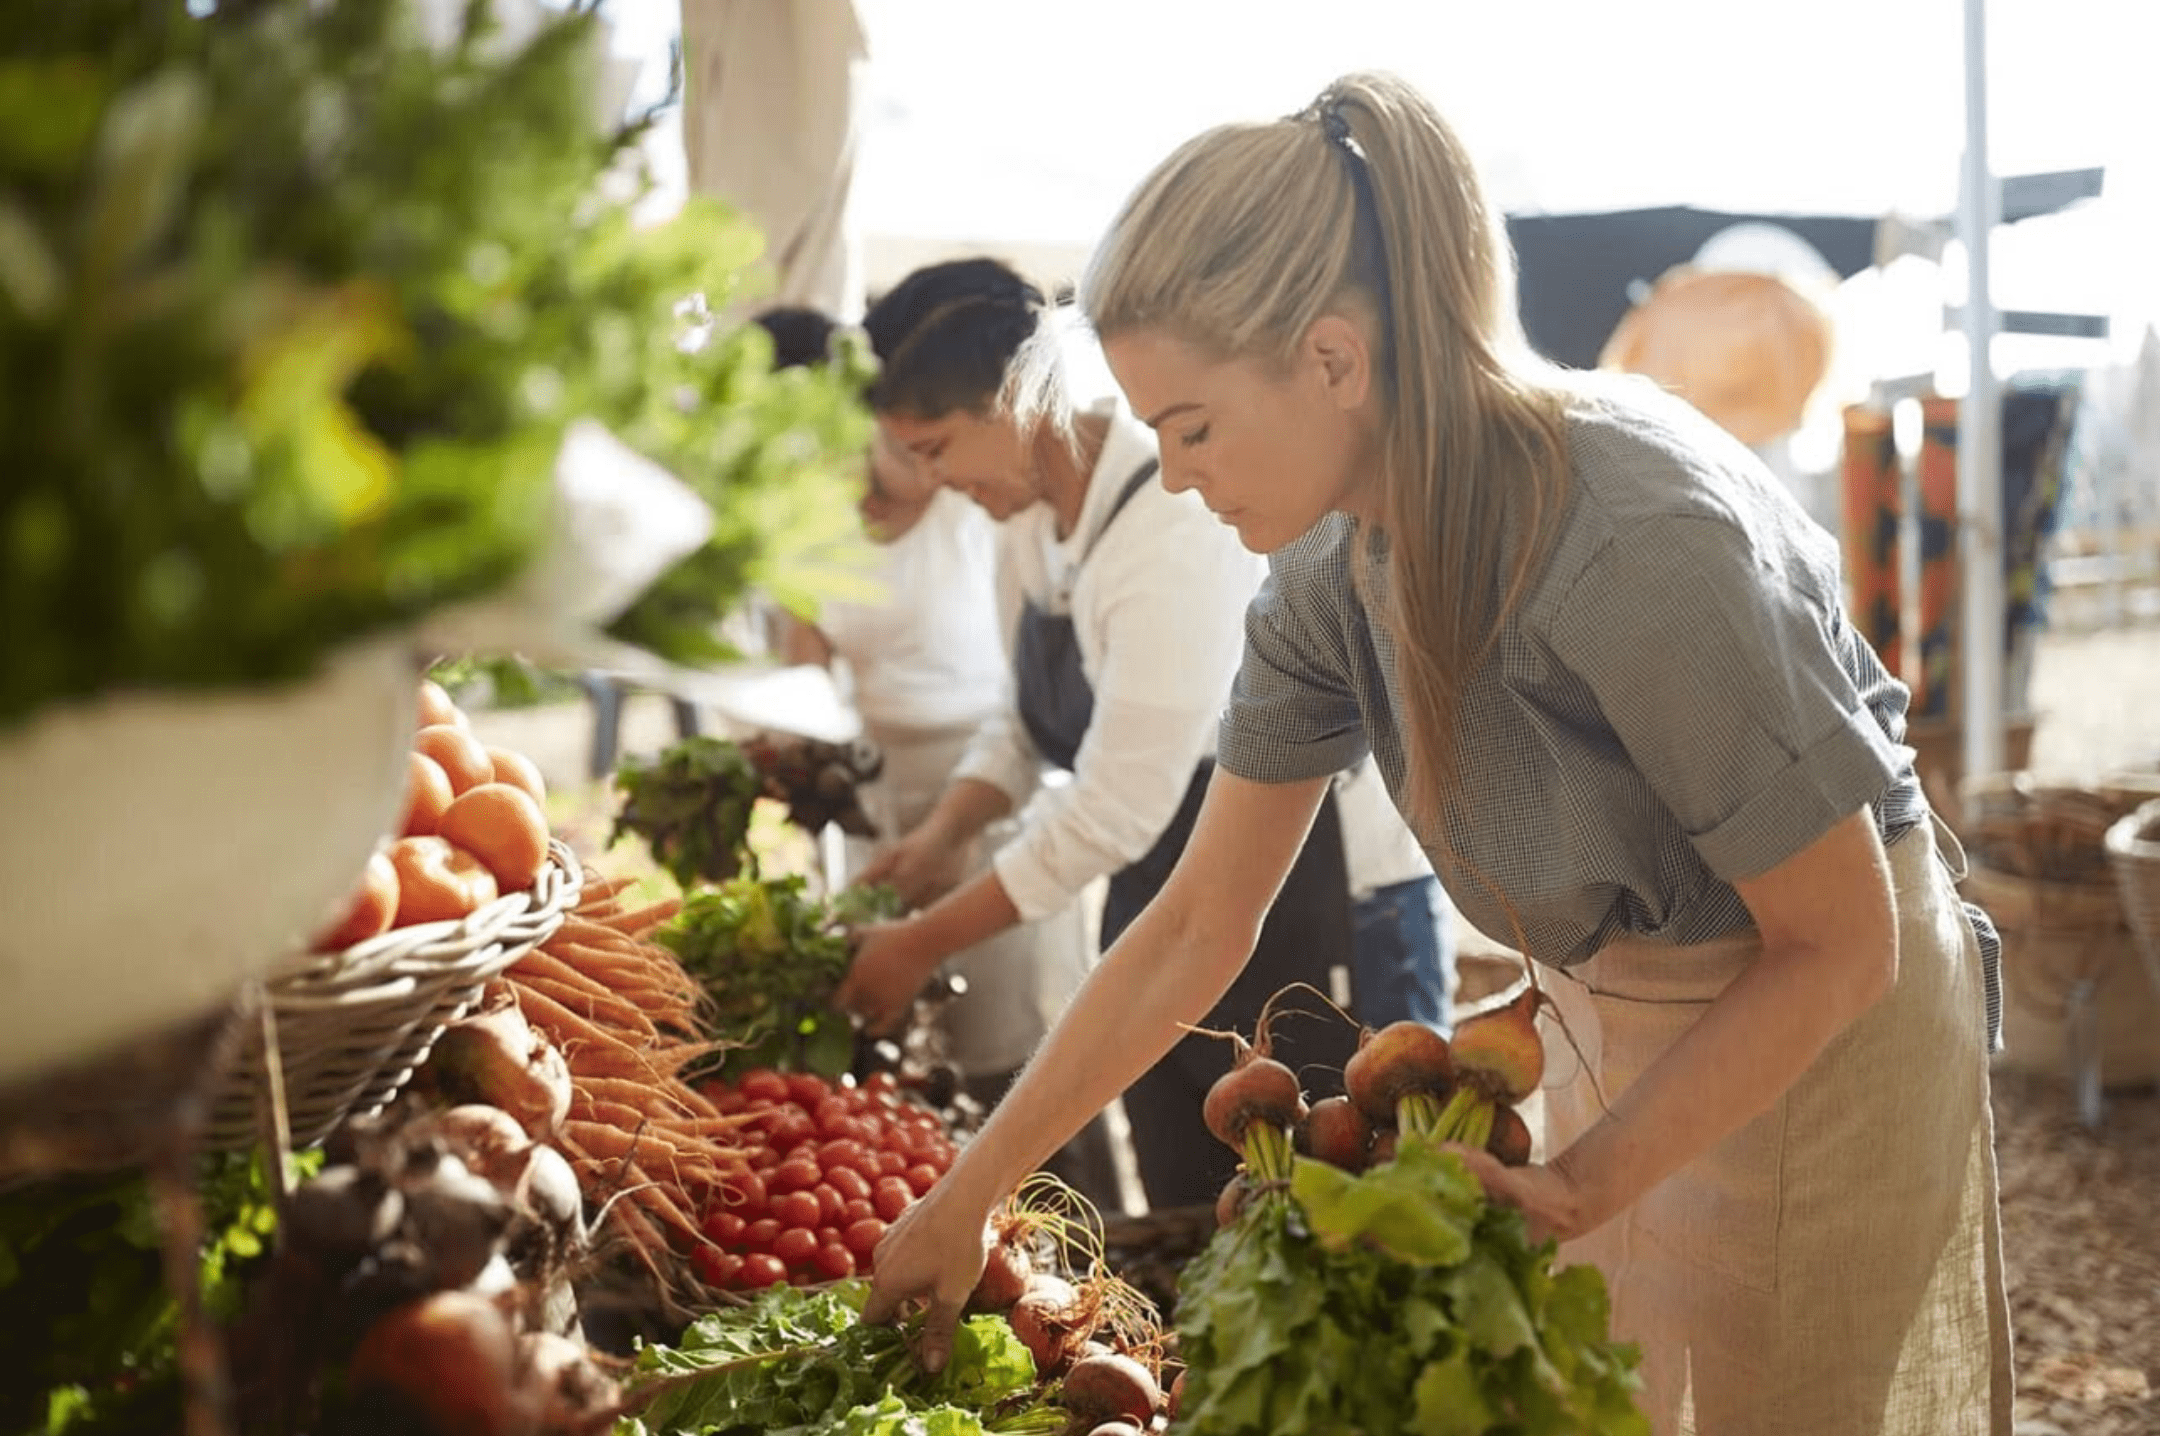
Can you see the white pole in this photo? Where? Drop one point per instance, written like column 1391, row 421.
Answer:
column 1980, row 547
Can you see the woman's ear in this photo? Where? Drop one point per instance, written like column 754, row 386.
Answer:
column 1341, row 357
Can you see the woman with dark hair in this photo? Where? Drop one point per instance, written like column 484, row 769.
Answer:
column 924, row 668
column 1123, row 606
column 1602, row 658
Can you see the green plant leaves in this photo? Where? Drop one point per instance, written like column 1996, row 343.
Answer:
column 1396, row 1299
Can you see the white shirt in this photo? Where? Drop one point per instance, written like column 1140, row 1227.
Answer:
column 930, row 656
column 1379, row 850
column 1158, row 610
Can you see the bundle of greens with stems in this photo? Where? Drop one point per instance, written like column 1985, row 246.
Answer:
column 1362, row 1279
column 691, row 803
column 296, row 305
column 799, row 1362
column 770, row 956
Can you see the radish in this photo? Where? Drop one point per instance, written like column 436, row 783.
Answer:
column 486, row 1139
column 1253, row 1107
column 1336, row 1132
column 1237, row 1194
column 1006, row 1270
column 1499, row 1060
column 1510, row 1140
column 1045, row 1318
column 1108, row 1388
column 1398, row 1074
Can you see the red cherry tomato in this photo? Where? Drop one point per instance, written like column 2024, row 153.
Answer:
column 921, row 1177
column 762, row 1269
column 863, row 1236
column 891, row 1197
column 849, row 1182
column 763, row 1085
column 829, row 1201
column 882, row 1083
column 728, row 1101
column 795, row 1175
column 795, row 1246
column 796, row 1209
column 807, row 1089
column 743, row 1192
column 840, row 1152
column 758, row 1236
column 725, row 1227
column 891, row 1163
column 716, row 1267
column 835, row 1261
column 856, row 1210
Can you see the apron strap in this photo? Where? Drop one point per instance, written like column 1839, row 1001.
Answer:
column 1133, row 486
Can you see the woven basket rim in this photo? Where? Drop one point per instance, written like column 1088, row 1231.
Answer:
column 426, row 951
column 2125, row 836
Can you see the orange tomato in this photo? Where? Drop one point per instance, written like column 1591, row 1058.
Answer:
column 438, row 880
column 518, row 771
column 368, row 909
column 462, row 756
column 504, row 828
column 427, row 793
column 436, row 706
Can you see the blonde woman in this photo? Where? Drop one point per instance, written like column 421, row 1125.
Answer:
column 1600, row 658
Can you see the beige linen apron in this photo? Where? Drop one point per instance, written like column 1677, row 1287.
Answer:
column 1834, row 1268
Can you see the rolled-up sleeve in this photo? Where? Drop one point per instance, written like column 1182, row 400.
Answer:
column 1293, row 714
column 1718, row 672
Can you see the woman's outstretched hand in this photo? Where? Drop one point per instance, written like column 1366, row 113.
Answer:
column 932, row 1257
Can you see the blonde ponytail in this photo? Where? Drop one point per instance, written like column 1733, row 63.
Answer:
column 1247, row 234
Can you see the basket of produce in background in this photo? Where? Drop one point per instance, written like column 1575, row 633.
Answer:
column 2133, row 848
column 2075, row 1001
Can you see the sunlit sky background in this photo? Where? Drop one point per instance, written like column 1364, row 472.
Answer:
column 1027, row 120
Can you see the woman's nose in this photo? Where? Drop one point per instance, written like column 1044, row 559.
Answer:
column 1177, row 476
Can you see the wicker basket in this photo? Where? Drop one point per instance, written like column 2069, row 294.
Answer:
column 351, row 1026
column 2133, row 847
column 2040, row 867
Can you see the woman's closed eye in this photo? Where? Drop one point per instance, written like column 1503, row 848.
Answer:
column 1196, row 437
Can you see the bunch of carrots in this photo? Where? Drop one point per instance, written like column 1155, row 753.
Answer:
column 649, row 1149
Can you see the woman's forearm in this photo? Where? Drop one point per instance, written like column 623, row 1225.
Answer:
column 1760, row 1035
column 1159, row 978
column 971, row 913
column 964, row 809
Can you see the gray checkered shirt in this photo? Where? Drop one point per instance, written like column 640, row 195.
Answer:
column 1678, row 702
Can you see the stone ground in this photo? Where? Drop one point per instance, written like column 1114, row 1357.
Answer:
column 2081, row 1230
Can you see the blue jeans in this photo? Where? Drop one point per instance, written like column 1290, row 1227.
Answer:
column 1403, row 960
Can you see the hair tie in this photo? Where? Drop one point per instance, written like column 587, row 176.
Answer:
column 1335, row 126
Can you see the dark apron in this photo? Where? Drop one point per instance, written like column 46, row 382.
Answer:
column 1307, row 932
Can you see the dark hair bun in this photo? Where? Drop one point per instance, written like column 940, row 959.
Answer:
column 945, row 335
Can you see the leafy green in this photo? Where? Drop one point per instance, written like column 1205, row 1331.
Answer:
column 1397, row 1299
column 84, row 1315
column 800, row 1363
column 771, row 955
column 295, row 307
column 692, row 806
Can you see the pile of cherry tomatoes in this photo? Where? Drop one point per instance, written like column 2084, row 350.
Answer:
column 831, row 1164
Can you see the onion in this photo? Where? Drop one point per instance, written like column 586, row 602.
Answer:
column 499, row 1059
column 342, row 1213
column 486, row 1139
column 451, row 1356
column 573, row 1392
column 456, row 1218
